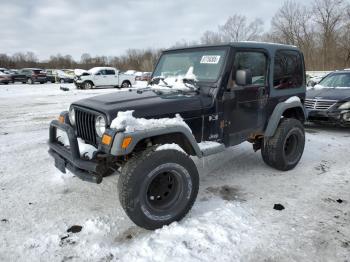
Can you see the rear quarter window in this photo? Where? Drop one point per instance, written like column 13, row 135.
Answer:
column 110, row 72
column 288, row 70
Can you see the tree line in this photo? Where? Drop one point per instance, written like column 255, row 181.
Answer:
column 321, row 29
column 137, row 59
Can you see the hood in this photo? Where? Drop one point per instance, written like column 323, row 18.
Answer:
column 79, row 72
column 329, row 93
column 146, row 104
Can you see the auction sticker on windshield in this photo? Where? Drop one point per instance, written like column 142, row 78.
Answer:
column 210, row 59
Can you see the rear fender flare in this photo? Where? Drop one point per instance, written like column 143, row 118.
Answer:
column 278, row 114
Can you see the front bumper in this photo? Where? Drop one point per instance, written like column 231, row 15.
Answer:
column 338, row 117
column 87, row 170
column 78, row 83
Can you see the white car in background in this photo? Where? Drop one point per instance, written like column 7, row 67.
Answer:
column 103, row 77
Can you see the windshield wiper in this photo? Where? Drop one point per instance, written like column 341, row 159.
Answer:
column 191, row 84
column 158, row 79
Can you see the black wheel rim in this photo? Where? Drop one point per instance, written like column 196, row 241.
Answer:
column 291, row 147
column 164, row 190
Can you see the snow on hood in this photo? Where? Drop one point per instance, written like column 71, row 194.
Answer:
column 79, row 72
column 177, row 82
column 126, row 120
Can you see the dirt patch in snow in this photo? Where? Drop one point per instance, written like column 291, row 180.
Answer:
column 74, row 229
column 130, row 233
column 227, row 192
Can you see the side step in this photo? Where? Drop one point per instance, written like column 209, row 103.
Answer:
column 209, row 148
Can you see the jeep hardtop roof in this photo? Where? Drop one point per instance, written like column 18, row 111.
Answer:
column 242, row 44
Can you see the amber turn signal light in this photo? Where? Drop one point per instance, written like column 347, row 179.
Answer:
column 61, row 119
column 106, row 139
column 126, row 142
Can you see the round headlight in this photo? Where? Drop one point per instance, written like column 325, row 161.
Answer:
column 100, row 125
column 72, row 115
column 345, row 106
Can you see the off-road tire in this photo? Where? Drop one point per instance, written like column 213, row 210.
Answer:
column 284, row 150
column 138, row 180
column 88, row 85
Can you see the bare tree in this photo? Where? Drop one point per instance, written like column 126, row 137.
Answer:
column 237, row 28
column 329, row 15
column 211, row 38
column 293, row 25
column 344, row 40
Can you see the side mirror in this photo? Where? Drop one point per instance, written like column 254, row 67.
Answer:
column 244, row 77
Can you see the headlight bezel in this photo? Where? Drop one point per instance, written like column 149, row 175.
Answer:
column 71, row 115
column 345, row 106
column 100, row 125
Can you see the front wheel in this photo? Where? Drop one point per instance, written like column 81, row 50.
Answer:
column 283, row 151
column 88, row 85
column 157, row 188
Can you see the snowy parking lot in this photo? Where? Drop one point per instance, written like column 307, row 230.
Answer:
column 49, row 216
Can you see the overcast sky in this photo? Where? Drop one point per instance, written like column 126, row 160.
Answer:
column 110, row 27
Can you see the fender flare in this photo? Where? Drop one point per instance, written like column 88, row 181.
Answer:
column 278, row 113
column 137, row 136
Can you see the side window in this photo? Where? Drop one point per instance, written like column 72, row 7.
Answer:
column 101, row 72
column 110, row 72
column 256, row 62
column 288, row 70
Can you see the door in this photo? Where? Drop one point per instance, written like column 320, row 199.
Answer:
column 244, row 105
column 100, row 78
column 112, row 77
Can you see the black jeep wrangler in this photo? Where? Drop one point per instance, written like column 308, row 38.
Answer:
column 226, row 94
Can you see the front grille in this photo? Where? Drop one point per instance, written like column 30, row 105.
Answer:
column 85, row 123
column 319, row 104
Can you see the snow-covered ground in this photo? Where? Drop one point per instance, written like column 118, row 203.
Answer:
column 232, row 220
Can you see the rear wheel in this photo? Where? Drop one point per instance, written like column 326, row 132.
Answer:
column 157, row 188
column 284, row 150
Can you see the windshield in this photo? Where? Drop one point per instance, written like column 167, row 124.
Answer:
column 336, row 80
column 204, row 64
